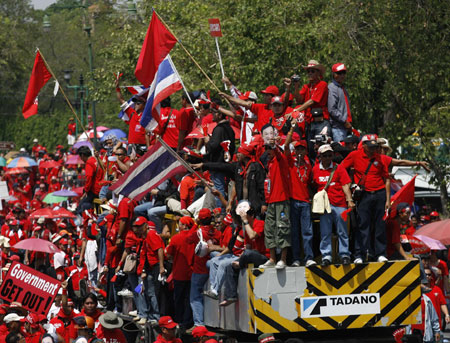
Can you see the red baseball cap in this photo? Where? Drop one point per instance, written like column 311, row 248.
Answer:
column 204, row 213
column 167, row 322
column 200, row 331
column 140, row 221
column 338, row 67
column 301, row 143
column 276, row 99
column 271, row 90
column 434, row 214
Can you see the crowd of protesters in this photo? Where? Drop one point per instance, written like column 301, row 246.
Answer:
column 266, row 173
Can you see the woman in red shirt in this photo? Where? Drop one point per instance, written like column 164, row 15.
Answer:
column 340, row 198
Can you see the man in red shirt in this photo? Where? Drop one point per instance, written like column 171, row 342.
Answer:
column 437, row 296
column 182, row 254
column 372, row 177
column 151, row 266
column 167, row 128
column 168, row 331
column 300, row 176
column 94, row 174
column 277, row 189
column 109, row 329
column 186, row 119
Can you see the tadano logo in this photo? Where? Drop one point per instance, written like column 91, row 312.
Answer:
column 340, row 305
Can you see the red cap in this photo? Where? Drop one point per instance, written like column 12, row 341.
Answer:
column 200, row 331
column 217, row 211
column 370, row 137
column 247, row 150
column 204, row 213
column 301, row 143
column 338, row 67
column 434, row 214
column 167, row 322
column 271, row 90
column 140, row 221
column 64, row 241
column 186, row 220
column 32, row 318
column 276, row 99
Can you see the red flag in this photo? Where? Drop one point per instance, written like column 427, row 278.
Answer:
column 39, row 77
column 157, row 44
column 405, row 194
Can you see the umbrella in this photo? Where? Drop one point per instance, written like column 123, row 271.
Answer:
column 63, row 213
column 74, row 159
column 78, row 190
column 37, row 244
column 17, row 171
column 118, row 133
column 22, row 162
column 434, row 244
column 439, row 230
column 50, row 198
column 102, row 128
column 49, row 164
column 418, row 247
column 43, row 212
column 65, row 193
column 82, row 143
column 90, row 133
column 2, row 162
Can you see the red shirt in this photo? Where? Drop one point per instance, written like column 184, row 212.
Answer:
column 444, row 272
column 132, row 241
column 153, row 242
column 136, row 133
column 64, row 325
column 209, row 233
column 392, row 235
column 187, row 190
column 160, row 339
column 110, row 335
column 183, row 256
column 300, row 177
column 80, row 274
column 263, row 113
column 378, row 172
column 277, row 185
column 438, row 299
column 186, row 119
column 319, row 94
column 94, row 174
column 258, row 242
column 335, row 193
column 125, row 212
column 71, row 128
column 171, row 132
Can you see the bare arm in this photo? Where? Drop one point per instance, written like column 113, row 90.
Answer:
column 181, row 136
column 118, row 92
column 348, row 195
column 408, row 163
column 237, row 101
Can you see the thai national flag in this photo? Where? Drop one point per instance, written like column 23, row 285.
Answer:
column 166, row 83
column 152, row 169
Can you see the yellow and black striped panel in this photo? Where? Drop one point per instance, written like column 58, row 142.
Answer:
column 398, row 284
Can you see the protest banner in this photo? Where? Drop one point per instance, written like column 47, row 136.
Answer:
column 216, row 31
column 34, row 290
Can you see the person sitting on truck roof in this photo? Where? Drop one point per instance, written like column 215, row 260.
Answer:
column 393, row 231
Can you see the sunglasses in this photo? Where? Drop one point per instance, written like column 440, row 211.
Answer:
column 312, row 71
column 342, row 72
column 119, row 154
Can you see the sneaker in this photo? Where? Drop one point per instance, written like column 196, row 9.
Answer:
column 125, row 293
column 142, row 321
column 358, row 260
column 295, row 264
column 153, row 322
column 346, row 260
column 325, row 262
column 228, row 301
column 137, row 318
column 381, row 258
column 211, row 294
column 268, row 264
column 310, row 263
column 133, row 313
column 280, row 265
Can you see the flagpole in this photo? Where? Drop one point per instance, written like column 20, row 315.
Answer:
column 65, row 97
column 181, row 81
column 188, row 53
column 183, row 162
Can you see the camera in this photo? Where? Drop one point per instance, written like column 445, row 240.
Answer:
column 295, row 78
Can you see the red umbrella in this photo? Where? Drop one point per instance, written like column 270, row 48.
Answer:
column 37, row 244
column 237, row 133
column 17, row 170
column 63, row 213
column 417, row 246
column 43, row 212
column 438, row 230
column 49, row 164
column 74, row 159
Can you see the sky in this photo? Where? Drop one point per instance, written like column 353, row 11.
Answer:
column 42, row 4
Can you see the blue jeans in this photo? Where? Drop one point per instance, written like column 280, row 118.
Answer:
column 151, row 285
column 139, row 298
column 370, row 214
column 301, row 217
column 219, row 183
column 217, row 267
column 339, row 134
column 154, row 214
column 196, row 297
column 326, row 228
column 142, row 209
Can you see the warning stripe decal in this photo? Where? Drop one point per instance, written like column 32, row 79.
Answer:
column 332, row 281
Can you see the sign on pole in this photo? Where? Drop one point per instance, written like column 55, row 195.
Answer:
column 34, row 290
column 216, row 31
column 7, row 145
